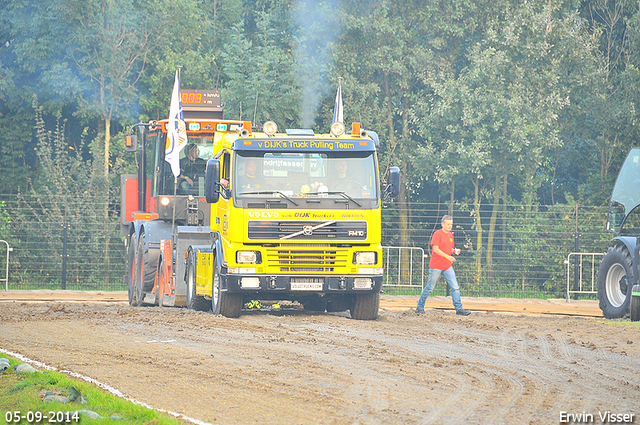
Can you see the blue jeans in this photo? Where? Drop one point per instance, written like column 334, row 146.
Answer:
column 450, row 277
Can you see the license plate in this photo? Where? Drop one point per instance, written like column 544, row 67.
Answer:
column 306, row 284
column 362, row 283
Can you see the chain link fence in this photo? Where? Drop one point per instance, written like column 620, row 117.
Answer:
column 62, row 243
column 507, row 251
column 516, row 251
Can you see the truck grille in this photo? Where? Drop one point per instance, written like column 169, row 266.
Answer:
column 291, row 259
column 307, row 230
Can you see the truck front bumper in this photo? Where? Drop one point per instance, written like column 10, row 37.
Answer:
column 300, row 283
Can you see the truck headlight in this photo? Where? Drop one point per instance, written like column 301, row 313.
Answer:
column 247, row 257
column 337, row 129
column 270, row 128
column 364, row 258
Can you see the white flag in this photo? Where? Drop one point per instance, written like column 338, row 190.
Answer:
column 337, row 109
column 176, row 129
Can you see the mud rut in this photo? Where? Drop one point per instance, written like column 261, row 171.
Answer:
column 294, row 367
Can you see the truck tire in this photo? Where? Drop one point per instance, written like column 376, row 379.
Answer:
column 614, row 290
column 132, row 245
column 138, row 292
column 366, row 306
column 634, row 307
column 145, row 275
column 194, row 301
column 223, row 302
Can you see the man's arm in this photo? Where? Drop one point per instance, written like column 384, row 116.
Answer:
column 437, row 250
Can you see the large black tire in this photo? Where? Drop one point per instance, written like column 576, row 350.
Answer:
column 138, row 276
column 614, row 290
column 634, row 307
column 132, row 245
column 223, row 302
column 194, row 301
column 366, row 306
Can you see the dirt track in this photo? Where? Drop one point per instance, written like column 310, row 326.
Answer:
column 293, row 367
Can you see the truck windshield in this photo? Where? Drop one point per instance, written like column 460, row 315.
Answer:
column 305, row 175
column 625, row 198
column 193, row 161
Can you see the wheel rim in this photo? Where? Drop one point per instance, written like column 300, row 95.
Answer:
column 616, row 285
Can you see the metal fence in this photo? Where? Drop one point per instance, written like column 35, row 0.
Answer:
column 511, row 251
column 403, row 266
column 516, row 251
column 5, row 276
column 582, row 273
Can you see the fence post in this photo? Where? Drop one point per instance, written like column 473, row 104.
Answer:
column 65, row 225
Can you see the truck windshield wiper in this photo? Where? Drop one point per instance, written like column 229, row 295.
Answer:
column 270, row 192
column 343, row 194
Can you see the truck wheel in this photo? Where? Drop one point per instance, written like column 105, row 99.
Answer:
column 223, row 302
column 614, row 291
column 635, row 304
column 366, row 306
column 138, row 293
column 194, row 301
column 131, row 269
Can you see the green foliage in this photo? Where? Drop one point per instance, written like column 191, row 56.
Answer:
column 70, row 197
column 23, row 393
column 459, row 91
column 484, row 102
column 260, row 69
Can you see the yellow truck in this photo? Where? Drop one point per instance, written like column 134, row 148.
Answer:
column 274, row 216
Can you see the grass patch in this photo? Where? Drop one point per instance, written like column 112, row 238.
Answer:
column 627, row 323
column 23, row 392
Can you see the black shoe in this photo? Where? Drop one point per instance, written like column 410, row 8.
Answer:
column 463, row 312
column 419, row 311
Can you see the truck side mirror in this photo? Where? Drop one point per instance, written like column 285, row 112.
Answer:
column 131, row 143
column 212, row 181
column 393, row 189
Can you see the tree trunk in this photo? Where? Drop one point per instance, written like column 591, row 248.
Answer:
column 403, row 210
column 107, row 143
column 497, row 195
column 452, row 197
column 476, row 206
column 504, row 209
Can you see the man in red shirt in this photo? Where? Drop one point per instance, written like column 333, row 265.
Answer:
column 441, row 263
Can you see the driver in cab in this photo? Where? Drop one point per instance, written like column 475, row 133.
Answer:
column 341, row 181
column 251, row 180
column 192, row 167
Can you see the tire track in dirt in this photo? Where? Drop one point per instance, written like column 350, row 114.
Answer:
column 296, row 367
column 482, row 398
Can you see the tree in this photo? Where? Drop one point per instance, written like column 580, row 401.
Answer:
column 260, row 68
column 108, row 45
column 68, row 191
